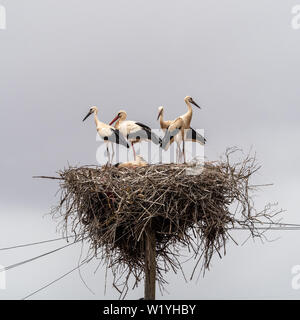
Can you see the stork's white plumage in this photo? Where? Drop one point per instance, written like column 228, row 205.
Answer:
column 108, row 133
column 134, row 131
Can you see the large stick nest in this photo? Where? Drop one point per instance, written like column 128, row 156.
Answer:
column 185, row 205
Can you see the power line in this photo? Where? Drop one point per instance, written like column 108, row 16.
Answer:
column 281, row 224
column 56, row 280
column 35, row 243
column 271, row 226
column 37, row 257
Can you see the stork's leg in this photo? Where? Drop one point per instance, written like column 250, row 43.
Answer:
column 178, row 153
column 108, row 154
column 113, row 152
column 160, row 155
column 183, row 150
column 134, row 155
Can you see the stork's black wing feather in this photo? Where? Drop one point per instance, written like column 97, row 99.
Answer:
column 119, row 138
column 150, row 135
column 143, row 126
column 141, row 134
column 195, row 136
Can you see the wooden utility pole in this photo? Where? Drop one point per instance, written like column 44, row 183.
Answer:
column 150, row 264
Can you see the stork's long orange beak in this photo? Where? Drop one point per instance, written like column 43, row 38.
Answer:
column 114, row 120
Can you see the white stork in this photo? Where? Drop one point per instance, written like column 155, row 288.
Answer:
column 190, row 133
column 180, row 130
column 108, row 133
column 134, row 131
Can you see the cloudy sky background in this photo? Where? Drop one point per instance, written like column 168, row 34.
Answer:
column 237, row 59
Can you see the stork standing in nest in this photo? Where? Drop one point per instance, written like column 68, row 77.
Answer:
column 134, row 131
column 180, row 130
column 108, row 133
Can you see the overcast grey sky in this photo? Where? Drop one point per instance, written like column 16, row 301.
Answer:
column 238, row 59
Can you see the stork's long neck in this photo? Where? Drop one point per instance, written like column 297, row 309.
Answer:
column 96, row 118
column 161, row 119
column 187, row 117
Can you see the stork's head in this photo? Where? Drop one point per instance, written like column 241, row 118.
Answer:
column 160, row 111
column 121, row 115
column 93, row 109
column 189, row 99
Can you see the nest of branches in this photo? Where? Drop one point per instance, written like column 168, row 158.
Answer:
column 194, row 205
